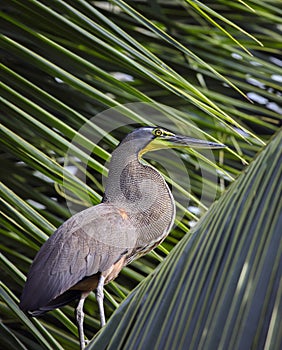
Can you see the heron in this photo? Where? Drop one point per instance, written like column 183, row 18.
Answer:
column 89, row 249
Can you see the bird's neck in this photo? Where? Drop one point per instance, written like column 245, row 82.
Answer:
column 139, row 191
column 131, row 183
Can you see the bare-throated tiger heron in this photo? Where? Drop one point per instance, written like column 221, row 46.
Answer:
column 89, row 249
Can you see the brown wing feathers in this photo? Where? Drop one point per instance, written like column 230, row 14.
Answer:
column 74, row 252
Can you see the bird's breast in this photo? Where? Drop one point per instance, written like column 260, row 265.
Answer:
column 143, row 199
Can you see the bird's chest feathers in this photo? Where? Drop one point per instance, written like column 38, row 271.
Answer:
column 144, row 199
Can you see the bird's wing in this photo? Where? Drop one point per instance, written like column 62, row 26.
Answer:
column 88, row 243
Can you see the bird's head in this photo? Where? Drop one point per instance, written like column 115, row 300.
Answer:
column 155, row 138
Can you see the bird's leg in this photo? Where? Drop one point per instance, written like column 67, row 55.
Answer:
column 100, row 299
column 79, row 320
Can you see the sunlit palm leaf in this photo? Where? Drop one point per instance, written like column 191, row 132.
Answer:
column 220, row 288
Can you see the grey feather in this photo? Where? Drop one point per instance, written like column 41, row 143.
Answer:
column 60, row 264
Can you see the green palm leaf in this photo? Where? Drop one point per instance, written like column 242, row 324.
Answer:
column 222, row 287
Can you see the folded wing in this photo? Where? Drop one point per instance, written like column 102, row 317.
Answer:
column 87, row 244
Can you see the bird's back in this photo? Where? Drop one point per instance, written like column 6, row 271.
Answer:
column 87, row 244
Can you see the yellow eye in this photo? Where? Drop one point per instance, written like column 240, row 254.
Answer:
column 158, row 132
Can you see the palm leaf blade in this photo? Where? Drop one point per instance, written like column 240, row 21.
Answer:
column 220, row 288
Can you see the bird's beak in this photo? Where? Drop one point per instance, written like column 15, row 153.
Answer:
column 176, row 141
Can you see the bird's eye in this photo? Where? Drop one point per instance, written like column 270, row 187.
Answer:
column 158, row 132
